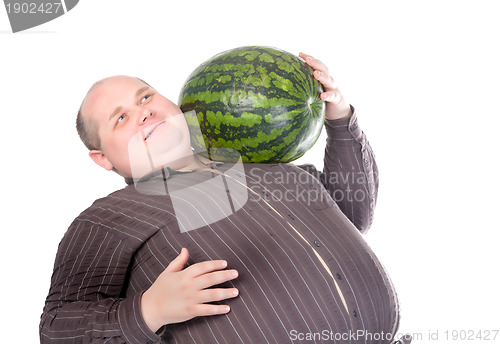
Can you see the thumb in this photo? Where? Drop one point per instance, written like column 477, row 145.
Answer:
column 179, row 262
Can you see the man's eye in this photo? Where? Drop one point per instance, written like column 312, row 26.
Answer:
column 121, row 118
column 146, row 97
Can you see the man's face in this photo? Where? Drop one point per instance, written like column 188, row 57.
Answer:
column 139, row 129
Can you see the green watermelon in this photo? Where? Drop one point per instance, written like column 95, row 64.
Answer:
column 260, row 101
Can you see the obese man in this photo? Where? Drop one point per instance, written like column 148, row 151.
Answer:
column 192, row 251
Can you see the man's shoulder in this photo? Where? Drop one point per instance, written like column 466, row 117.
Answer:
column 125, row 213
column 119, row 199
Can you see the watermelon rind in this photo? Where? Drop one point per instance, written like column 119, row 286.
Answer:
column 261, row 101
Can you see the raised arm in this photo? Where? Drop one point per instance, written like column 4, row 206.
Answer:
column 350, row 172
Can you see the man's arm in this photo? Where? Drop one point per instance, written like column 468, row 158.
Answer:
column 350, row 172
column 86, row 302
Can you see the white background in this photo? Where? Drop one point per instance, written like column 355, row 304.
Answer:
column 423, row 77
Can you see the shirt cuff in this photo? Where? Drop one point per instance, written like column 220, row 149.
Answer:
column 134, row 328
column 344, row 129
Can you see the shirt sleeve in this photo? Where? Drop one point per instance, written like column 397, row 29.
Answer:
column 350, row 172
column 84, row 304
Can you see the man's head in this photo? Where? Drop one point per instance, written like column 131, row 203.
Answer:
column 132, row 129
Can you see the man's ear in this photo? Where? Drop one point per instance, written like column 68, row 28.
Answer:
column 100, row 159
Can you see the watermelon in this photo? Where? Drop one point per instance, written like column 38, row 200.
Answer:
column 260, row 101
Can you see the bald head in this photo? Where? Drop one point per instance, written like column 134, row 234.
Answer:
column 86, row 126
column 116, row 122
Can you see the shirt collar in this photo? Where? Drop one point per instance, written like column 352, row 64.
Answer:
column 167, row 172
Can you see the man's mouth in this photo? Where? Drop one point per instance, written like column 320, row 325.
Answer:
column 153, row 129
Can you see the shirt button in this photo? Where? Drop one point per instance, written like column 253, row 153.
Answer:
column 316, row 242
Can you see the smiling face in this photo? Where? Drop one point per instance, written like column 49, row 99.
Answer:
column 139, row 129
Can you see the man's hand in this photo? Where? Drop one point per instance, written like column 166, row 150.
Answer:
column 178, row 295
column 336, row 106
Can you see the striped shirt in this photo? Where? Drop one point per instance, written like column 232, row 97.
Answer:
column 305, row 272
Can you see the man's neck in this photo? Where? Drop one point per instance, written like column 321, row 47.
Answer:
column 191, row 163
column 187, row 164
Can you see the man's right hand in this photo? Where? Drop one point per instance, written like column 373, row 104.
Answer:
column 181, row 294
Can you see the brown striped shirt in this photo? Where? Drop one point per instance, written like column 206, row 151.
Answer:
column 305, row 272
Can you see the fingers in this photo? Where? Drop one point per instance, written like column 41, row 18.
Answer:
column 216, row 294
column 325, row 79
column 331, row 97
column 209, row 273
column 197, row 269
column 314, row 63
column 204, row 274
column 214, row 278
column 322, row 75
column 205, row 267
column 207, row 309
column 179, row 262
column 180, row 294
column 336, row 105
column 213, row 295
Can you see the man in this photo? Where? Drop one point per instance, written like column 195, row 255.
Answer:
column 299, row 270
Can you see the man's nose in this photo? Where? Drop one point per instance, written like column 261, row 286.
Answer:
column 144, row 115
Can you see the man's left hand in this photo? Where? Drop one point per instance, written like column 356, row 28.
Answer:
column 336, row 106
